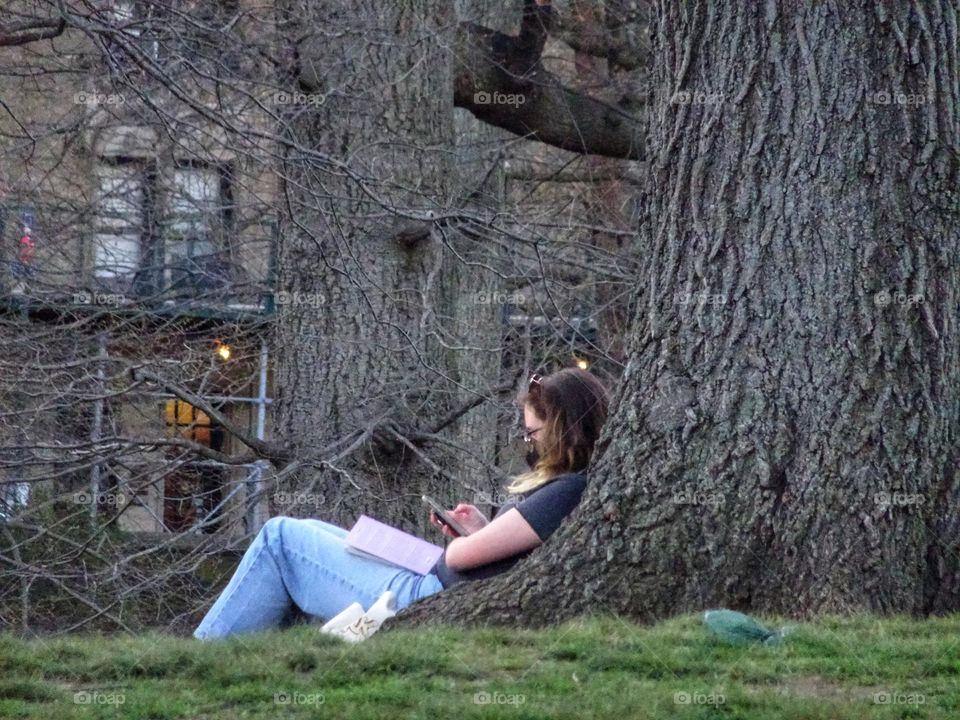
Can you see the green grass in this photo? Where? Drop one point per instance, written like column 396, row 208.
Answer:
column 601, row 667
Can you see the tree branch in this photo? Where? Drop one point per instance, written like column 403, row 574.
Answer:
column 277, row 454
column 459, row 412
column 31, row 31
column 501, row 80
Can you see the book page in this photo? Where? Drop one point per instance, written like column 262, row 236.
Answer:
column 393, row 545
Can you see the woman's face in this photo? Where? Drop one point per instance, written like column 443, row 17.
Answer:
column 531, row 423
column 531, row 427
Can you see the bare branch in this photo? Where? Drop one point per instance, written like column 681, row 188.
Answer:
column 31, row 31
column 536, row 104
column 277, row 454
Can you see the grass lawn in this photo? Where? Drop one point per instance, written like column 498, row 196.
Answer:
column 601, row 667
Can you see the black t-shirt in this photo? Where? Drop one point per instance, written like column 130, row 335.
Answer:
column 544, row 508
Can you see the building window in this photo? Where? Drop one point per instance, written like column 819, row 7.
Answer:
column 196, row 214
column 161, row 238
column 120, row 222
column 192, row 35
column 13, row 498
column 135, row 24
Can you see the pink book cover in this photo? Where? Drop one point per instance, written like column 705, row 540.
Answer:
column 373, row 537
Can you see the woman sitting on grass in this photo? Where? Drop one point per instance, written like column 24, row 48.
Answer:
column 302, row 564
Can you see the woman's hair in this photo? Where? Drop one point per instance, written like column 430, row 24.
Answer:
column 573, row 406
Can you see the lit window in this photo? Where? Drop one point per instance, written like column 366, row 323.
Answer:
column 187, row 421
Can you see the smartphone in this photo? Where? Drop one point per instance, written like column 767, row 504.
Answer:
column 444, row 517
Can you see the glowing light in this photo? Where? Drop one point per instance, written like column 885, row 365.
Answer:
column 224, row 351
column 582, row 364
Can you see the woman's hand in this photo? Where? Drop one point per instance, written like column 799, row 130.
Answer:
column 467, row 515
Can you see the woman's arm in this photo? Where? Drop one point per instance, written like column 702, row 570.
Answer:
column 506, row 535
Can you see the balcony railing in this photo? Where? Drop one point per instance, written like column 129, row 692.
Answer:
column 207, row 283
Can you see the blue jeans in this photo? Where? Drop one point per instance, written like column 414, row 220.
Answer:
column 302, row 563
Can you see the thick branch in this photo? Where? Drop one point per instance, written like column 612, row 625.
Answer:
column 498, row 81
column 501, row 80
column 28, row 32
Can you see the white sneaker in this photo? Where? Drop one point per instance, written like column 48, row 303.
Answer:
column 370, row 621
column 349, row 615
column 362, row 628
column 384, row 607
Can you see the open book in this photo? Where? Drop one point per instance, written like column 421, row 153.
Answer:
column 372, row 538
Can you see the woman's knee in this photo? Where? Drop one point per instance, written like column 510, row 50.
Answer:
column 274, row 529
column 328, row 527
column 283, row 532
column 273, row 525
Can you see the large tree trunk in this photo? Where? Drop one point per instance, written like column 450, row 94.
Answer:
column 785, row 436
column 365, row 280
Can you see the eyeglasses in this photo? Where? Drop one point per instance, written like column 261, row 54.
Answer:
column 536, row 382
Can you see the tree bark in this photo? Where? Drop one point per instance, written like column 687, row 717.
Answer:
column 366, row 284
column 785, row 436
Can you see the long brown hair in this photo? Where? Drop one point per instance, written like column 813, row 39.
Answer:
column 573, row 406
